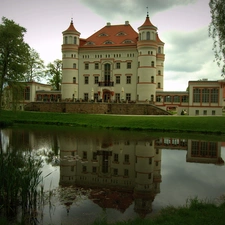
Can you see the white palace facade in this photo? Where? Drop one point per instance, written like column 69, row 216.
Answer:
column 117, row 65
column 114, row 64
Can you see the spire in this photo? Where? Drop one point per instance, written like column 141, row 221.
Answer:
column 71, row 29
column 147, row 11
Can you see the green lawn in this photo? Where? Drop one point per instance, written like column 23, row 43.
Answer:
column 207, row 125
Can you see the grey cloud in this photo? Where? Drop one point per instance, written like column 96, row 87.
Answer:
column 187, row 51
column 134, row 8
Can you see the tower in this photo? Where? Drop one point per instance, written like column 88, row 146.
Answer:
column 70, row 59
column 150, row 62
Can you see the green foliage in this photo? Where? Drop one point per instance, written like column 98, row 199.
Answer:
column 35, row 69
column 54, row 72
column 217, row 31
column 13, row 53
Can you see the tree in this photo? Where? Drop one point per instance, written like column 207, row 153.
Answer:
column 13, row 54
column 54, row 72
column 217, row 31
column 35, row 70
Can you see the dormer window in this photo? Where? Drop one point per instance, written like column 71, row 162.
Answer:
column 108, row 43
column 127, row 42
column 121, row 34
column 103, row 35
column 89, row 43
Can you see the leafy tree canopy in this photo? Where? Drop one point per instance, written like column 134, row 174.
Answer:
column 54, row 72
column 35, row 67
column 217, row 31
column 13, row 53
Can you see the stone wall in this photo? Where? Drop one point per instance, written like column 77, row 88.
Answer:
column 96, row 108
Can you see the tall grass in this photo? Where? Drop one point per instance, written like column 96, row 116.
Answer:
column 19, row 178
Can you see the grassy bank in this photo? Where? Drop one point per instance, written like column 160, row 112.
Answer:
column 196, row 212
column 206, row 125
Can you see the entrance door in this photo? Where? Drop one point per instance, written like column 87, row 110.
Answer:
column 106, row 96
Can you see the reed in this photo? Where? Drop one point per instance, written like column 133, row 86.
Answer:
column 19, row 178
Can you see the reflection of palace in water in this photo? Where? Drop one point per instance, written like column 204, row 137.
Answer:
column 122, row 172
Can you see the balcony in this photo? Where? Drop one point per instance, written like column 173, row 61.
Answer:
column 106, row 84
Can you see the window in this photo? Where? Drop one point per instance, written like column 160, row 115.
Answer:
column 117, row 79
column 214, row 95
column 150, row 161
column 66, row 40
column 167, row 98
column 152, row 64
column 159, row 85
column 27, row 93
column 176, row 98
column 86, row 66
column 159, row 72
column 128, row 97
column 74, row 80
column 96, row 66
column 117, row 65
column 149, row 176
column 116, row 157
column 205, row 95
column 94, row 156
column 85, row 96
column 204, row 112
column 139, row 64
column 152, row 98
column 152, row 79
column 96, row 80
column 75, row 40
column 158, row 98
column 126, row 172
column 115, row 172
column 128, row 79
column 128, row 65
column 213, row 112
column 94, row 169
column 159, row 50
column 107, row 71
column 148, row 35
column 196, row 95
column 84, row 155
column 196, row 112
column 126, row 158
column 184, row 99
column 117, row 97
column 74, row 65
column 86, row 80
column 84, row 169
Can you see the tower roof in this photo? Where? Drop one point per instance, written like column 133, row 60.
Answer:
column 158, row 39
column 71, row 29
column 147, row 23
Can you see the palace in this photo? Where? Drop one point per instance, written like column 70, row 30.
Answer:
column 115, row 64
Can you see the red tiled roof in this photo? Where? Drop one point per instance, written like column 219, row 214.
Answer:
column 158, row 39
column 70, row 29
column 147, row 23
column 116, row 34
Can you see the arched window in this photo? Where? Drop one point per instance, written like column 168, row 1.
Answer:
column 152, row 79
column 74, row 65
column 140, row 37
column 159, row 85
column 148, row 35
column 66, row 40
column 75, row 40
column 152, row 98
column 159, row 72
column 74, row 80
column 159, row 50
column 152, row 63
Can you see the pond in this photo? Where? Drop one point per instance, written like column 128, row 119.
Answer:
column 117, row 175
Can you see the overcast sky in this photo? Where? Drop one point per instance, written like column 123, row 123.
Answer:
column 182, row 25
